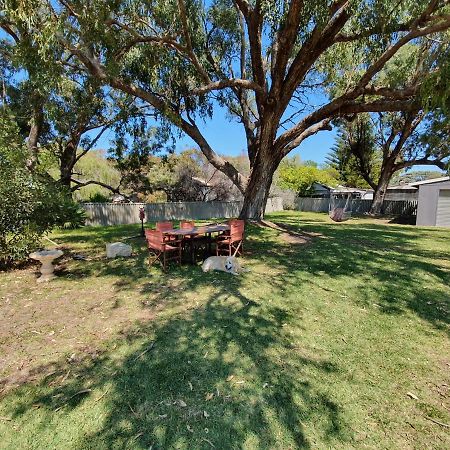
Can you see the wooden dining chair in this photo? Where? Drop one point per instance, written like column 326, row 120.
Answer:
column 163, row 249
column 187, row 224
column 229, row 222
column 164, row 225
column 232, row 244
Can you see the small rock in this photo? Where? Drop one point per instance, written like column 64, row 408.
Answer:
column 118, row 249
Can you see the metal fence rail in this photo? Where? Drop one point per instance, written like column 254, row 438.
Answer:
column 105, row 214
column 390, row 207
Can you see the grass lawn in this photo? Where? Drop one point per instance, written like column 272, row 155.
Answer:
column 342, row 342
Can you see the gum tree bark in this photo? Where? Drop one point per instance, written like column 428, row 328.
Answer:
column 258, row 187
column 36, row 126
column 380, row 190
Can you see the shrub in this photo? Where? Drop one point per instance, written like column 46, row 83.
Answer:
column 31, row 203
column 98, row 198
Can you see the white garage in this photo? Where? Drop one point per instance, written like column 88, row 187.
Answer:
column 433, row 208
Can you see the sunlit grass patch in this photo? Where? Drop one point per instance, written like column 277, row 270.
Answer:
column 319, row 345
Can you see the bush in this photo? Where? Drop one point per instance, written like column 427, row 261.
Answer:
column 31, row 203
column 98, row 198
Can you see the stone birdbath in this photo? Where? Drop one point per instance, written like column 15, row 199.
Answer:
column 46, row 257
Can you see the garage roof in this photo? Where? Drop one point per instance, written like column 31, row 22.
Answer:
column 432, row 181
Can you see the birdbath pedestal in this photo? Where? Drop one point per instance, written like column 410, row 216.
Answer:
column 46, row 258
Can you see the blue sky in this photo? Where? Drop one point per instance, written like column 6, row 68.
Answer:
column 228, row 138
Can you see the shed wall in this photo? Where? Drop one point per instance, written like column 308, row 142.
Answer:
column 443, row 208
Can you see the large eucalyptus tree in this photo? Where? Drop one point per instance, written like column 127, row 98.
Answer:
column 284, row 70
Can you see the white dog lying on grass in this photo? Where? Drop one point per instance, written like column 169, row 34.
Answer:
column 228, row 264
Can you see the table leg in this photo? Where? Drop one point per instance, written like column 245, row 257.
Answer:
column 209, row 243
column 192, row 248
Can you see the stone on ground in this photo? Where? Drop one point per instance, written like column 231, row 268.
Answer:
column 117, row 249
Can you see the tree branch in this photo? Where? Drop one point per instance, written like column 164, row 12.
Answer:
column 378, row 65
column 92, row 143
column 284, row 43
column 338, row 108
column 322, row 125
column 244, row 7
column 6, row 27
column 95, row 68
column 187, row 38
column 345, row 104
column 423, row 162
column 254, row 20
column 234, row 82
column 411, row 123
column 80, row 184
column 318, row 42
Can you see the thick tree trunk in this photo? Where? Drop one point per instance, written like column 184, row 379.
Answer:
column 37, row 123
column 380, row 191
column 67, row 162
column 258, row 187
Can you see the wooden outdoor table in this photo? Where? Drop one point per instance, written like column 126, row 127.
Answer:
column 207, row 230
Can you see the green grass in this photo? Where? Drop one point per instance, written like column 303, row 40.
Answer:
column 317, row 347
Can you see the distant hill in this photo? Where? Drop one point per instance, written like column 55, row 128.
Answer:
column 95, row 166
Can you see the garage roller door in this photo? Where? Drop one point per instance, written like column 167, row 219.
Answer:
column 443, row 209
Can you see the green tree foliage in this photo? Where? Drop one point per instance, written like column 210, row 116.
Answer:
column 435, row 90
column 300, row 177
column 97, row 167
column 61, row 111
column 260, row 61
column 31, row 203
column 355, row 156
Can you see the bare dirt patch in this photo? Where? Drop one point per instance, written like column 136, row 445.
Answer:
column 292, row 239
column 289, row 235
column 44, row 323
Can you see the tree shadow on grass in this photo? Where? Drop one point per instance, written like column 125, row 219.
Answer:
column 392, row 268
column 168, row 388
column 223, row 375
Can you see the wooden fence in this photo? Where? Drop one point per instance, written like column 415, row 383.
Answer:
column 127, row 213
column 390, row 207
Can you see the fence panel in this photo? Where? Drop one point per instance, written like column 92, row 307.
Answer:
column 312, row 204
column 390, row 207
column 127, row 213
column 400, row 208
column 361, row 206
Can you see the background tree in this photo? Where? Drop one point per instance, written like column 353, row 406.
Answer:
column 260, row 61
column 300, row 178
column 61, row 111
column 402, row 140
column 355, row 155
